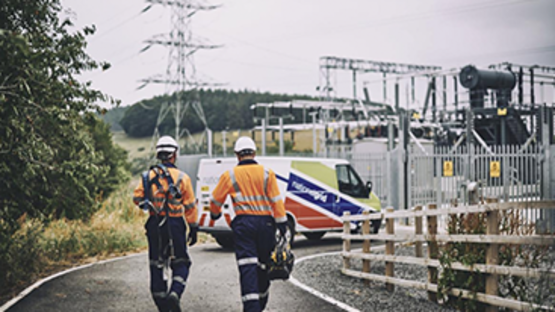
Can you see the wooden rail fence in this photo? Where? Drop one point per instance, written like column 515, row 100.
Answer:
column 492, row 238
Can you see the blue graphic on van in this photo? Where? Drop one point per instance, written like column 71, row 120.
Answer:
column 320, row 197
column 281, row 178
column 309, row 191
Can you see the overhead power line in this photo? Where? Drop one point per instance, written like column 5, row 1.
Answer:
column 261, row 47
column 104, row 33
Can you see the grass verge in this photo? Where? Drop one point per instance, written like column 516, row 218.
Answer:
column 40, row 249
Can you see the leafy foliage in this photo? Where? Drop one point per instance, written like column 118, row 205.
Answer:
column 223, row 109
column 467, row 254
column 37, row 247
column 56, row 157
column 520, row 288
column 513, row 287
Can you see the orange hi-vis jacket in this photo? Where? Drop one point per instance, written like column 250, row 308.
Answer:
column 183, row 207
column 253, row 190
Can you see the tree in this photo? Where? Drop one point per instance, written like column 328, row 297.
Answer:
column 53, row 151
column 223, row 109
column 139, row 120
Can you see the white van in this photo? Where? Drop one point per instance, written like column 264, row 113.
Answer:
column 316, row 193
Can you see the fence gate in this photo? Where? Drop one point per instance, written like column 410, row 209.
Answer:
column 509, row 173
column 375, row 168
column 444, row 176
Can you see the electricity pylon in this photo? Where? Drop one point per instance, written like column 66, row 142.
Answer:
column 180, row 76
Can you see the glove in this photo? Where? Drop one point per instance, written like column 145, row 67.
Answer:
column 215, row 216
column 282, row 227
column 193, row 231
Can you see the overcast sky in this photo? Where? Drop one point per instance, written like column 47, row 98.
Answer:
column 275, row 45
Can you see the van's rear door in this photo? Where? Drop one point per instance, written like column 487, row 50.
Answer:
column 209, row 173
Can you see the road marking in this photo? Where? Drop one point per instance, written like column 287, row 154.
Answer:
column 29, row 289
column 318, row 294
column 292, row 280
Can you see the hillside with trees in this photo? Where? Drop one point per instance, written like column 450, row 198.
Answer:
column 223, row 109
column 113, row 116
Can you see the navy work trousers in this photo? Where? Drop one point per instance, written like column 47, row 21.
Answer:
column 255, row 238
column 158, row 253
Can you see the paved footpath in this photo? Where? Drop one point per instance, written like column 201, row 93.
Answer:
column 213, row 285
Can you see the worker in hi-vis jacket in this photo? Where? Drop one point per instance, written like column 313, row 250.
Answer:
column 167, row 194
column 258, row 210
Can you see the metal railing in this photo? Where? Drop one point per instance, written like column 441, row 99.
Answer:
column 510, row 173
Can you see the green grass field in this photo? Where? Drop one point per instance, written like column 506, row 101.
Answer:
column 136, row 147
column 140, row 147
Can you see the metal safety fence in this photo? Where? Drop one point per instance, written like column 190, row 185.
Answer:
column 376, row 169
column 509, row 173
column 446, row 175
column 506, row 172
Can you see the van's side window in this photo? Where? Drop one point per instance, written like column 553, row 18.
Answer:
column 349, row 182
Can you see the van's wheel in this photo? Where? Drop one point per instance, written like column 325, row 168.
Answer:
column 225, row 241
column 375, row 224
column 357, row 229
column 314, row 235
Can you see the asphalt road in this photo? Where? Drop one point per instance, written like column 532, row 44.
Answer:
column 213, row 285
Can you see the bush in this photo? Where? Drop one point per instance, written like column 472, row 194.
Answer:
column 36, row 247
column 21, row 257
column 513, row 287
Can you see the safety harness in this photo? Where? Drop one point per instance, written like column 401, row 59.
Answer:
column 161, row 173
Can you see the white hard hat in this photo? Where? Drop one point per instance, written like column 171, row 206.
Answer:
column 244, row 143
column 166, row 144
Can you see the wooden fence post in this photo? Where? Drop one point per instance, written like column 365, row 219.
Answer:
column 366, row 246
column 418, row 231
column 492, row 253
column 346, row 241
column 432, row 251
column 389, row 249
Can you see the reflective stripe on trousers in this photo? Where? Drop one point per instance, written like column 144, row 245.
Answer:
column 254, row 241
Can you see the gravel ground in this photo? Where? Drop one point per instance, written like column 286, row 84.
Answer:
column 323, row 274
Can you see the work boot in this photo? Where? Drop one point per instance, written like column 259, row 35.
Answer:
column 163, row 307
column 173, row 302
column 162, row 304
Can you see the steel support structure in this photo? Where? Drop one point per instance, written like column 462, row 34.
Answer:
column 180, row 77
column 330, row 63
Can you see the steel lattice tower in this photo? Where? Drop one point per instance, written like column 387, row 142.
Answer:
column 180, row 77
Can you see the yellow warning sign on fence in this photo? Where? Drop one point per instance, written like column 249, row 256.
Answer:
column 494, row 169
column 448, row 168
